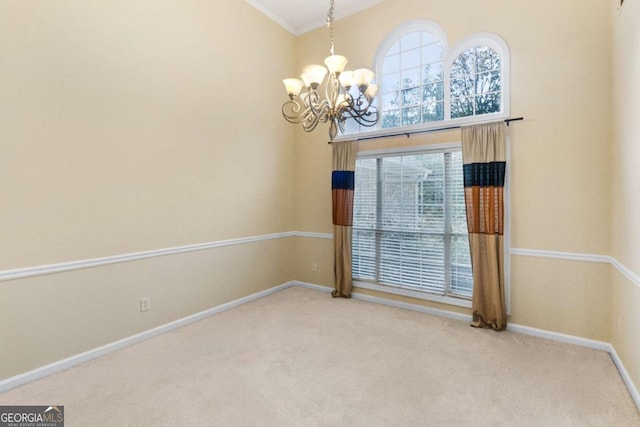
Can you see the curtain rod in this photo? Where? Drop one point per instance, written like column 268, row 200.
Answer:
column 408, row 134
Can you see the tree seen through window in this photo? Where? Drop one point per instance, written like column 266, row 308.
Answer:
column 476, row 83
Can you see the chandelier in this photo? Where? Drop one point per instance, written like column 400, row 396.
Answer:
column 347, row 94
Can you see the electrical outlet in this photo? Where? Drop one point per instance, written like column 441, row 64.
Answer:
column 314, row 266
column 145, row 304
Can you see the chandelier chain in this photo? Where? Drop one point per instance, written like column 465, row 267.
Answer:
column 330, row 25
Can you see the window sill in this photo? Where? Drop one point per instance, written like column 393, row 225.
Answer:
column 460, row 302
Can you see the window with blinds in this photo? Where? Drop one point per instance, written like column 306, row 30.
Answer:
column 409, row 226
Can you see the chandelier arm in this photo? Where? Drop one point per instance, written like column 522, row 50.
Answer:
column 365, row 118
column 332, row 90
column 323, row 111
column 351, row 114
column 315, row 104
column 369, row 106
column 360, row 101
column 357, row 108
column 366, row 122
column 292, row 112
column 310, row 122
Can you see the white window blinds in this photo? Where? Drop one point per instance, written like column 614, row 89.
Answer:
column 410, row 226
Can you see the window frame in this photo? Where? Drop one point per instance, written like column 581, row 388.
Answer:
column 397, row 289
column 425, row 295
column 450, row 54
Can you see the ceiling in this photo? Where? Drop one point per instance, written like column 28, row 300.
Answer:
column 300, row 16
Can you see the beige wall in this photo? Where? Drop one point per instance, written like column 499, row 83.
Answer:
column 134, row 126
column 570, row 297
column 560, row 178
column 625, row 188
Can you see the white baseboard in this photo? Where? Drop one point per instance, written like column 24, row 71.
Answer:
column 307, row 285
column 61, row 365
column 560, row 337
column 633, row 390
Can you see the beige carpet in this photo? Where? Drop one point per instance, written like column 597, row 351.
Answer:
column 300, row 358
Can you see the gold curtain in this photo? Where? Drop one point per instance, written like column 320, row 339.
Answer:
column 484, row 158
column 342, row 186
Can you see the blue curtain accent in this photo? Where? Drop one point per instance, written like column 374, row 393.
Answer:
column 484, row 174
column 343, row 180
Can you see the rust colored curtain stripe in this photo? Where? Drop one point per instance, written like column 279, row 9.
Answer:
column 342, row 207
column 485, row 212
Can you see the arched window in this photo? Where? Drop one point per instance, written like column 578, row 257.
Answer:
column 410, row 69
column 424, row 84
column 478, row 77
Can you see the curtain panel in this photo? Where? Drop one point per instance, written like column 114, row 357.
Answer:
column 342, row 185
column 484, row 163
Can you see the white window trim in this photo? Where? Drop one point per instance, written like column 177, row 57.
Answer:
column 491, row 40
column 423, row 295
